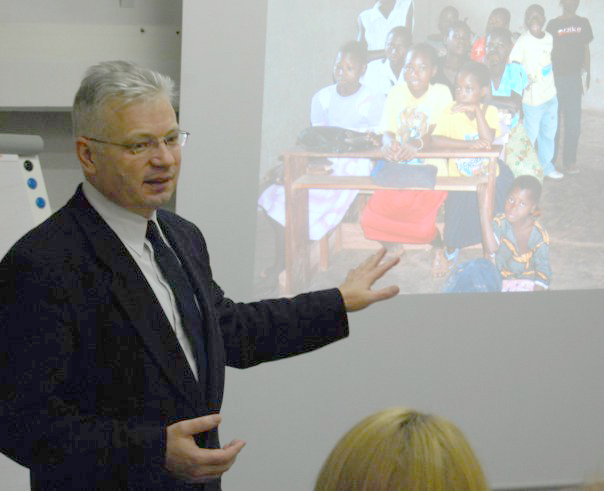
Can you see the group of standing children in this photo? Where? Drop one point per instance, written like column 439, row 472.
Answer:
column 538, row 70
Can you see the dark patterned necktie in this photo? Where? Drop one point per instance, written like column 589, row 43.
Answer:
column 178, row 280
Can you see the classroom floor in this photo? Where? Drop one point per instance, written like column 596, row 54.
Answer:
column 572, row 212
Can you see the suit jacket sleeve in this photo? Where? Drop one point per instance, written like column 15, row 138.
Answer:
column 266, row 330
column 273, row 329
column 45, row 423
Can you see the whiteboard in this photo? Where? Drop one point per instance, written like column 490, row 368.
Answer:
column 23, row 197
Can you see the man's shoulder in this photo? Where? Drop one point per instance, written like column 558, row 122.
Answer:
column 172, row 219
column 48, row 257
column 181, row 229
column 65, row 236
column 49, row 234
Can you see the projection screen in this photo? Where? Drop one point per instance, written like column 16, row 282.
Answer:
column 519, row 373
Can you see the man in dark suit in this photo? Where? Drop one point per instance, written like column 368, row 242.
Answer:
column 108, row 379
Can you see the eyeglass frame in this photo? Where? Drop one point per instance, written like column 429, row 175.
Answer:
column 147, row 146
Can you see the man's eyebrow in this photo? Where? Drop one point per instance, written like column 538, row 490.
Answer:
column 134, row 136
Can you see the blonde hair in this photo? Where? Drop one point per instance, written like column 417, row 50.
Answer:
column 594, row 486
column 400, row 449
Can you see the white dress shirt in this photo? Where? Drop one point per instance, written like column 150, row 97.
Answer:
column 131, row 230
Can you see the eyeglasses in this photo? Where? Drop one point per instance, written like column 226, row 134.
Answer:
column 174, row 140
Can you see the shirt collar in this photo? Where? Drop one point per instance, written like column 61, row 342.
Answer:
column 128, row 226
column 377, row 13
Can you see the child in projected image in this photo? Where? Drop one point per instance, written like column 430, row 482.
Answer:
column 385, row 73
column 457, row 43
column 412, row 110
column 447, row 17
column 346, row 104
column 517, row 242
column 533, row 51
column 498, row 18
column 516, row 246
column 508, row 81
column 570, row 57
column 467, row 123
column 375, row 23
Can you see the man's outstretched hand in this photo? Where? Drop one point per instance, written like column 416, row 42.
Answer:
column 185, row 460
column 356, row 289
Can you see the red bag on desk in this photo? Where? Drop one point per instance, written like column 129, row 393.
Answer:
column 407, row 217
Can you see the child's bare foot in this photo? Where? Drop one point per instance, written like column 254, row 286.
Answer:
column 440, row 265
column 394, row 249
column 443, row 262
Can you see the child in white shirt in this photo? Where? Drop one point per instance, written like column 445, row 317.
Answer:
column 533, row 51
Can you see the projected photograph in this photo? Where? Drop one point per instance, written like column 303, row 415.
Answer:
column 464, row 139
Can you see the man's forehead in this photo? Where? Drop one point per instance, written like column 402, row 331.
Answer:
column 139, row 116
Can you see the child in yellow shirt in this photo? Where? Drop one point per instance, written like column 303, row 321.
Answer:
column 467, row 123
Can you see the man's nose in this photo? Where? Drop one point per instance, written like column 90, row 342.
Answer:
column 162, row 154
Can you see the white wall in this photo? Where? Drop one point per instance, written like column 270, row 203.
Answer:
column 46, row 46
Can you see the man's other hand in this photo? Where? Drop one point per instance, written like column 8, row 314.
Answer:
column 186, row 461
column 356, row 289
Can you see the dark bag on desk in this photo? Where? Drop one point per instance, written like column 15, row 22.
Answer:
column 399, row 175
column 334, row 139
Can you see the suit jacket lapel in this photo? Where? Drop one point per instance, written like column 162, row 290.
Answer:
column 133, row 293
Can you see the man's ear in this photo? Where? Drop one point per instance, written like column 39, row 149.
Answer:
column 86, row 155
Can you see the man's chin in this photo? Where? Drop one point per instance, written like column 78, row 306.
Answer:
column 159, row 199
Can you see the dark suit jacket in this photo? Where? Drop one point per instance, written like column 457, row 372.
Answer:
column 91, row 371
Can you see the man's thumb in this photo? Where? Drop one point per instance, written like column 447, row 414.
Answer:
column 200, row 425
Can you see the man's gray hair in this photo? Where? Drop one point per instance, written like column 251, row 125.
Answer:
column 115, row 81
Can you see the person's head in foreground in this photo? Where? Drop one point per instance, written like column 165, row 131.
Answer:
column 401, row 449
column 127, row 135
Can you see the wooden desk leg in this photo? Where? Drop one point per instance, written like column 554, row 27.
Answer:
column 297, row 246
column 491, row 188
